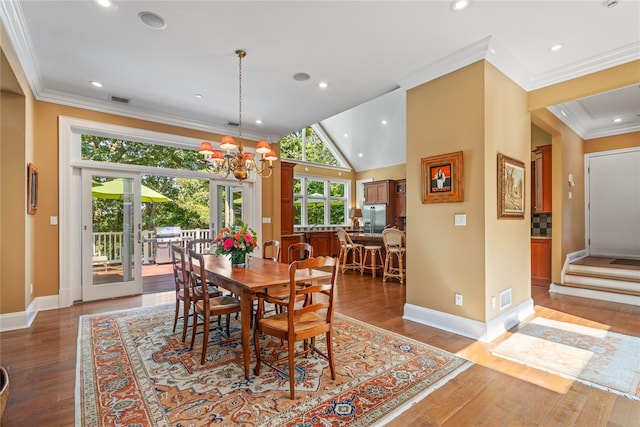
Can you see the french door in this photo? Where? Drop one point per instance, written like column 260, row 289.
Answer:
column 111, row 235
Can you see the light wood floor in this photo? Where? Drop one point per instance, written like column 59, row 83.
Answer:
column 494, row 392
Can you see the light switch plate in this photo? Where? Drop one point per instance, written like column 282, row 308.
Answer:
column 460, row 219
column 53, row 220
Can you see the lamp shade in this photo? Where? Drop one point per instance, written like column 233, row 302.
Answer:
column 205, row 148
column 271, row 156
column 355, row 213
column 263, row 147
column 227, row 143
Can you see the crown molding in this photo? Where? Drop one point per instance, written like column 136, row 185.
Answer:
column 570, row 113
column 612, row 58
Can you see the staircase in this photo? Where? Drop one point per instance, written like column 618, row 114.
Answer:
column 602, row 278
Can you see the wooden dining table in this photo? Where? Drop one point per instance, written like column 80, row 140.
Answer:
column 258, row 275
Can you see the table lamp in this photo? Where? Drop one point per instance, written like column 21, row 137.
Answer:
column 354, row 214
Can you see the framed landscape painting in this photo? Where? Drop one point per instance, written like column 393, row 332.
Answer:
column 443, row 178
column 32, row 189
column 511, row 186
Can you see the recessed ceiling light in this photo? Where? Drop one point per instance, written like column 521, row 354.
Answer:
column 458, row 5
column 152, row 20
column 555, row 47
column 95, row 84
column 197, row 95
column 323, row 85
column 617, row 120
column 346, row 135
column 104, row 3
column 563, row 113
column 301, row 77
column 258, row 122
column 384, row 122
column 360, row 155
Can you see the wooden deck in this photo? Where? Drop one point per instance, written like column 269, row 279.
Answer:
column 155, row 277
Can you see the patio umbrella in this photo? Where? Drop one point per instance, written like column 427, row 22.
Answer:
column 114, row 189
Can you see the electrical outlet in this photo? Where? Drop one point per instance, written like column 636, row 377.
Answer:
column 458, row 299
column 31, row 288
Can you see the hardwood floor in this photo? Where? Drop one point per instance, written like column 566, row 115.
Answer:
column 41, row 362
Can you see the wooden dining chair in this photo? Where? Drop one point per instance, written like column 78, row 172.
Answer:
column 184, row 295
column 271, row 250
column 299, row 251
column 202, row 246
column 205, row 305
column 299, row 322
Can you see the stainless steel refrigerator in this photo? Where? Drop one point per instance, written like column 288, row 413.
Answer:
column 374, row 218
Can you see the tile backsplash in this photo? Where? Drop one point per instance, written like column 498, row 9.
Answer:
column 541, row 224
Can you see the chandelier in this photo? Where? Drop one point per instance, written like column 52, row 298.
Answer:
column 238, row 163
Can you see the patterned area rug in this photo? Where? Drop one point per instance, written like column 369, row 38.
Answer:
column 596, row 357
column 133, row 371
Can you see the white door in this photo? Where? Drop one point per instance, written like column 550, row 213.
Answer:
column 111, row 236
column 613, row 204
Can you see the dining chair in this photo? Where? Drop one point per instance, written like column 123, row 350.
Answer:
column 346, row 247
column 184, row 295
column 395, row 246
column 203, row 246
column 205, row 305
column 272, row 246
column 299, row 322
column 299, row 251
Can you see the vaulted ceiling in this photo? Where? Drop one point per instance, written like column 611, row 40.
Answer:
column 153, row 57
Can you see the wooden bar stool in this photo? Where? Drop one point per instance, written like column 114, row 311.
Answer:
column 375, row 254
column 394, row 245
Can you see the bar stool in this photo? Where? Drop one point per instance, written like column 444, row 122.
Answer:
column 394, row 245
column 375, row 253
column 346, row 246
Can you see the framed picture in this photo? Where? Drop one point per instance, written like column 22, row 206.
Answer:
column 511, row 185
column 443, row 178
column 32, row 189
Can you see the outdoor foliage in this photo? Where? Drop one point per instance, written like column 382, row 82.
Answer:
column 189, row 205
column 315, row 150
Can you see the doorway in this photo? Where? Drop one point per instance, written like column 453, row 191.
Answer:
column 111, row 235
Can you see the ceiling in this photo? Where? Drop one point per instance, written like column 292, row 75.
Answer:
column 369, row 53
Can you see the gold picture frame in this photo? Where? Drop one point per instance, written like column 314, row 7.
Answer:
column 32, row 189
column 443, row 178
column 511, row 188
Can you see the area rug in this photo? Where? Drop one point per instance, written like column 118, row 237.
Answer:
column 133, row 370
column 596, row 357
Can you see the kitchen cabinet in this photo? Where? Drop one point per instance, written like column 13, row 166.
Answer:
column 541, row 262
column 378, row 192
column 400, row 203
column 541, row 180
column 321, row 242
column 286, row 198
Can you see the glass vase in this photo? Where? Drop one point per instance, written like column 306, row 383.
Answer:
column 237, row 259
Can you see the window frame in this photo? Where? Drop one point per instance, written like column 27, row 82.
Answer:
column 304, row 200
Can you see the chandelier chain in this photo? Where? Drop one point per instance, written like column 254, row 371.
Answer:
column 240, row 54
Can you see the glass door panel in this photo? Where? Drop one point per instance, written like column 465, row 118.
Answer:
column 111, row 235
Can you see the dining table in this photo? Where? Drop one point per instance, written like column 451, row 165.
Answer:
column 257, row 275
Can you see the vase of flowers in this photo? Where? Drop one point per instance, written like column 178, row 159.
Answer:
column 237, row 241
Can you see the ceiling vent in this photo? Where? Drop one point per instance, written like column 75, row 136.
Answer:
column 120, row 99
column 232, row 124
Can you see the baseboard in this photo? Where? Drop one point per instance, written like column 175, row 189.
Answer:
column 485, row 332
column 24, row 319
column 595, row 294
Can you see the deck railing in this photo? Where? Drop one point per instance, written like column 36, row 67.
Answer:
column 109, row 244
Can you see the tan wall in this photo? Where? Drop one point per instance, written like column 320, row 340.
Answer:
column 444, row 116
column 507, row 245
column 616, row 142
column 538, row 138
column 16, row 150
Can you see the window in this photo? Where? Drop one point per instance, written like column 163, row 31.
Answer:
column 319, row 202
column 312, row 146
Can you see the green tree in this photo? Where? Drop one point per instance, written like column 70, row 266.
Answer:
column 315, row 150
